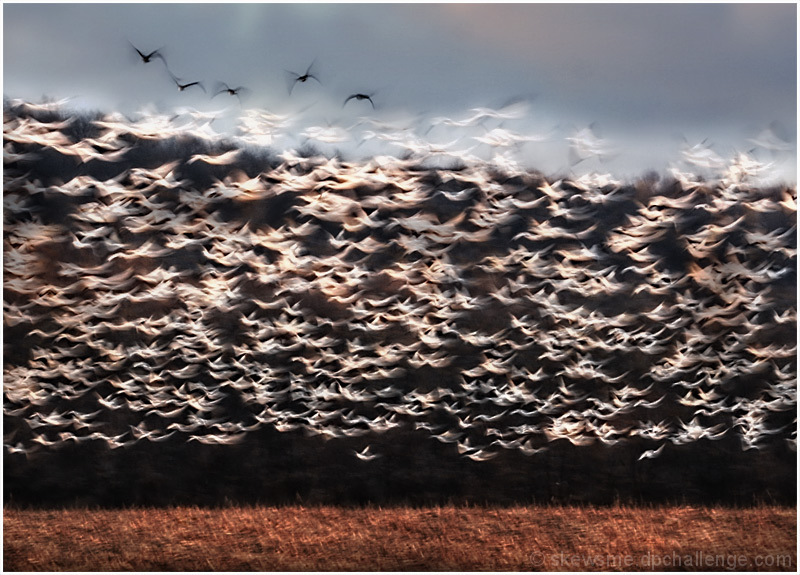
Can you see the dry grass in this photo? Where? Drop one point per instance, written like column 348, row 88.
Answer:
column 437, row 538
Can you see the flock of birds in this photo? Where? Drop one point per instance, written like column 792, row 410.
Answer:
column 584, row 144
column 223, row 88
column 490, row 310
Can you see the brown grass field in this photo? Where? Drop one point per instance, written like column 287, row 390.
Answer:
column 299, row 538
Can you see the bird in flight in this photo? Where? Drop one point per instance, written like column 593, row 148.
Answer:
column 147, row 58
column 652, row 453
column 302, row 77
column 359, row 97
column 222, row 87
column 366, row 454
column 182, row 87
column 586, row 143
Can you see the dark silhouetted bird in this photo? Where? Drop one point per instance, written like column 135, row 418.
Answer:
column 295, row 78
column 182, row 86
column 222, row 87
column 359, row 97
column 147, row 58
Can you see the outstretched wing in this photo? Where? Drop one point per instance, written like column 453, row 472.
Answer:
column 143, row 57
column 308, row 70
column 291, row 80
column 190, row 84
column 220, row 88
column 156, row 54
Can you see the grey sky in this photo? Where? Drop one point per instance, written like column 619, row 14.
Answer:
column 646, row 74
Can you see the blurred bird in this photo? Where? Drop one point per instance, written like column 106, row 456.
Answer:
column 18, row 448
column 222, row 88
column 182, row 87
column 527, row 449
column 147, row 58
column 788, row 202
column 481, row 455
column 366, row 454
column 774, row 139
column 302, row 77
column 652, row 453
column 701, row 155
column 219, row 160
column 359, row 97
column 218, row 439
column 513, row 109
column 586, row 143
